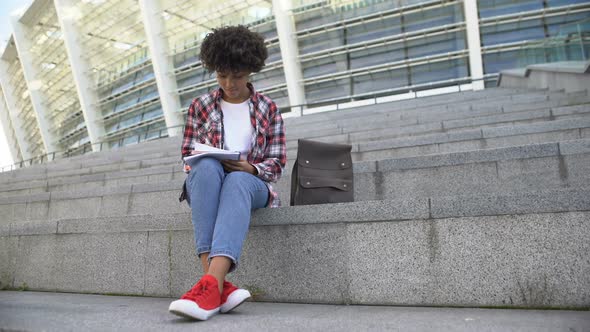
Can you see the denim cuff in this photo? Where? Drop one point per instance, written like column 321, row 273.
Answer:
column 203, row 250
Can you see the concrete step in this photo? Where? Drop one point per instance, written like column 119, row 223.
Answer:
column 398, row 118
column 490, row 95
column 162, row 147
column 486, row 227
column 425, row 126
column 395, row 125
column 85, row 175
column 517, row 250
column 27, row 311
column 507, row 93
column 411, row 128
column 502, row 170
column 92, row 180
column 384, row 118
column 428, row 142
column 558, row 130
column 120, row 199
column 493, row 171
column 369, row 125
column 153, row 153
column 472, row 139
column 373, row 113
column 168, row 147
column 168, row 168
column 365, row 132
column 94, row 167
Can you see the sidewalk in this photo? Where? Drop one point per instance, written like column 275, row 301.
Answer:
column 40, row 311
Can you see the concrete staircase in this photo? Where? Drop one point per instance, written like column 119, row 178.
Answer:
column 466, row 199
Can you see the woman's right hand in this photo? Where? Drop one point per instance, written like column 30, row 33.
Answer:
column 187, row 167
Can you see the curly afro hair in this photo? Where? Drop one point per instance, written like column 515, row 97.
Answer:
column 234, row 49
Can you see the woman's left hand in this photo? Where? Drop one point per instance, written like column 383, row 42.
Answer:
column 238, row 165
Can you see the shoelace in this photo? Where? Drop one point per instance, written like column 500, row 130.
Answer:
column 201, row 293
column 196, row 292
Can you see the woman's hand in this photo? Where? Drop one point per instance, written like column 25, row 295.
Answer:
column 238, row 165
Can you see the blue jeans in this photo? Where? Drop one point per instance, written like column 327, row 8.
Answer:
column 221, row 205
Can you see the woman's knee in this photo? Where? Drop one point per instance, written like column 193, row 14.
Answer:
column 238, row 179
column 244, row 182
column 205, row 169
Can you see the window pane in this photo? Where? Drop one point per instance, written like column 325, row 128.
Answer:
column 438, row 71
column 436, row 44
column 512, row 32
column 433, row 18
column 381, row 81
column 490, row 8
column 379, row 29
column 558, row 3
column 493, row 63
column 327, row 90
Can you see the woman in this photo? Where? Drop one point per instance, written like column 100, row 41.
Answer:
column 223, row 194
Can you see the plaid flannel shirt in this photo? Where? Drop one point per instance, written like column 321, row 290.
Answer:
column 204, row 124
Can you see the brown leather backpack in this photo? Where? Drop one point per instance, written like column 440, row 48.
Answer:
column 322, row 174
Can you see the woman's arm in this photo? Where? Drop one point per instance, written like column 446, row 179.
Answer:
column 239, row 165
column 190, row 130
column 275, row 153
column 193, row 130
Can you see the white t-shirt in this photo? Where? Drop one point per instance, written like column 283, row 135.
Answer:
column 237, row 127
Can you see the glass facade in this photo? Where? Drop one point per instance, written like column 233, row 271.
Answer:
column 24, row 108
column 191, row 78
column 376, row 47
column 125, row 84
column 48, row 49
column 130, row 101
column 508, row 26
column 348, row 50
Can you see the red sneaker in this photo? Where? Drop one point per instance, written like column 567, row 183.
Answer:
column 201, row 302
column 232, row 296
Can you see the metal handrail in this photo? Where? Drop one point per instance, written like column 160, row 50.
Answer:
column 87, row 147
column 338, row 103
column 569, row 44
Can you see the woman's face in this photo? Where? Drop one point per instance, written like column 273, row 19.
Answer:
column 234, row 85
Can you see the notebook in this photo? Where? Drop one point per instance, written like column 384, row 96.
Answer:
column 211, row 152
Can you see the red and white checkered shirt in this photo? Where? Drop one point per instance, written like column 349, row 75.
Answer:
column 204, row 124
